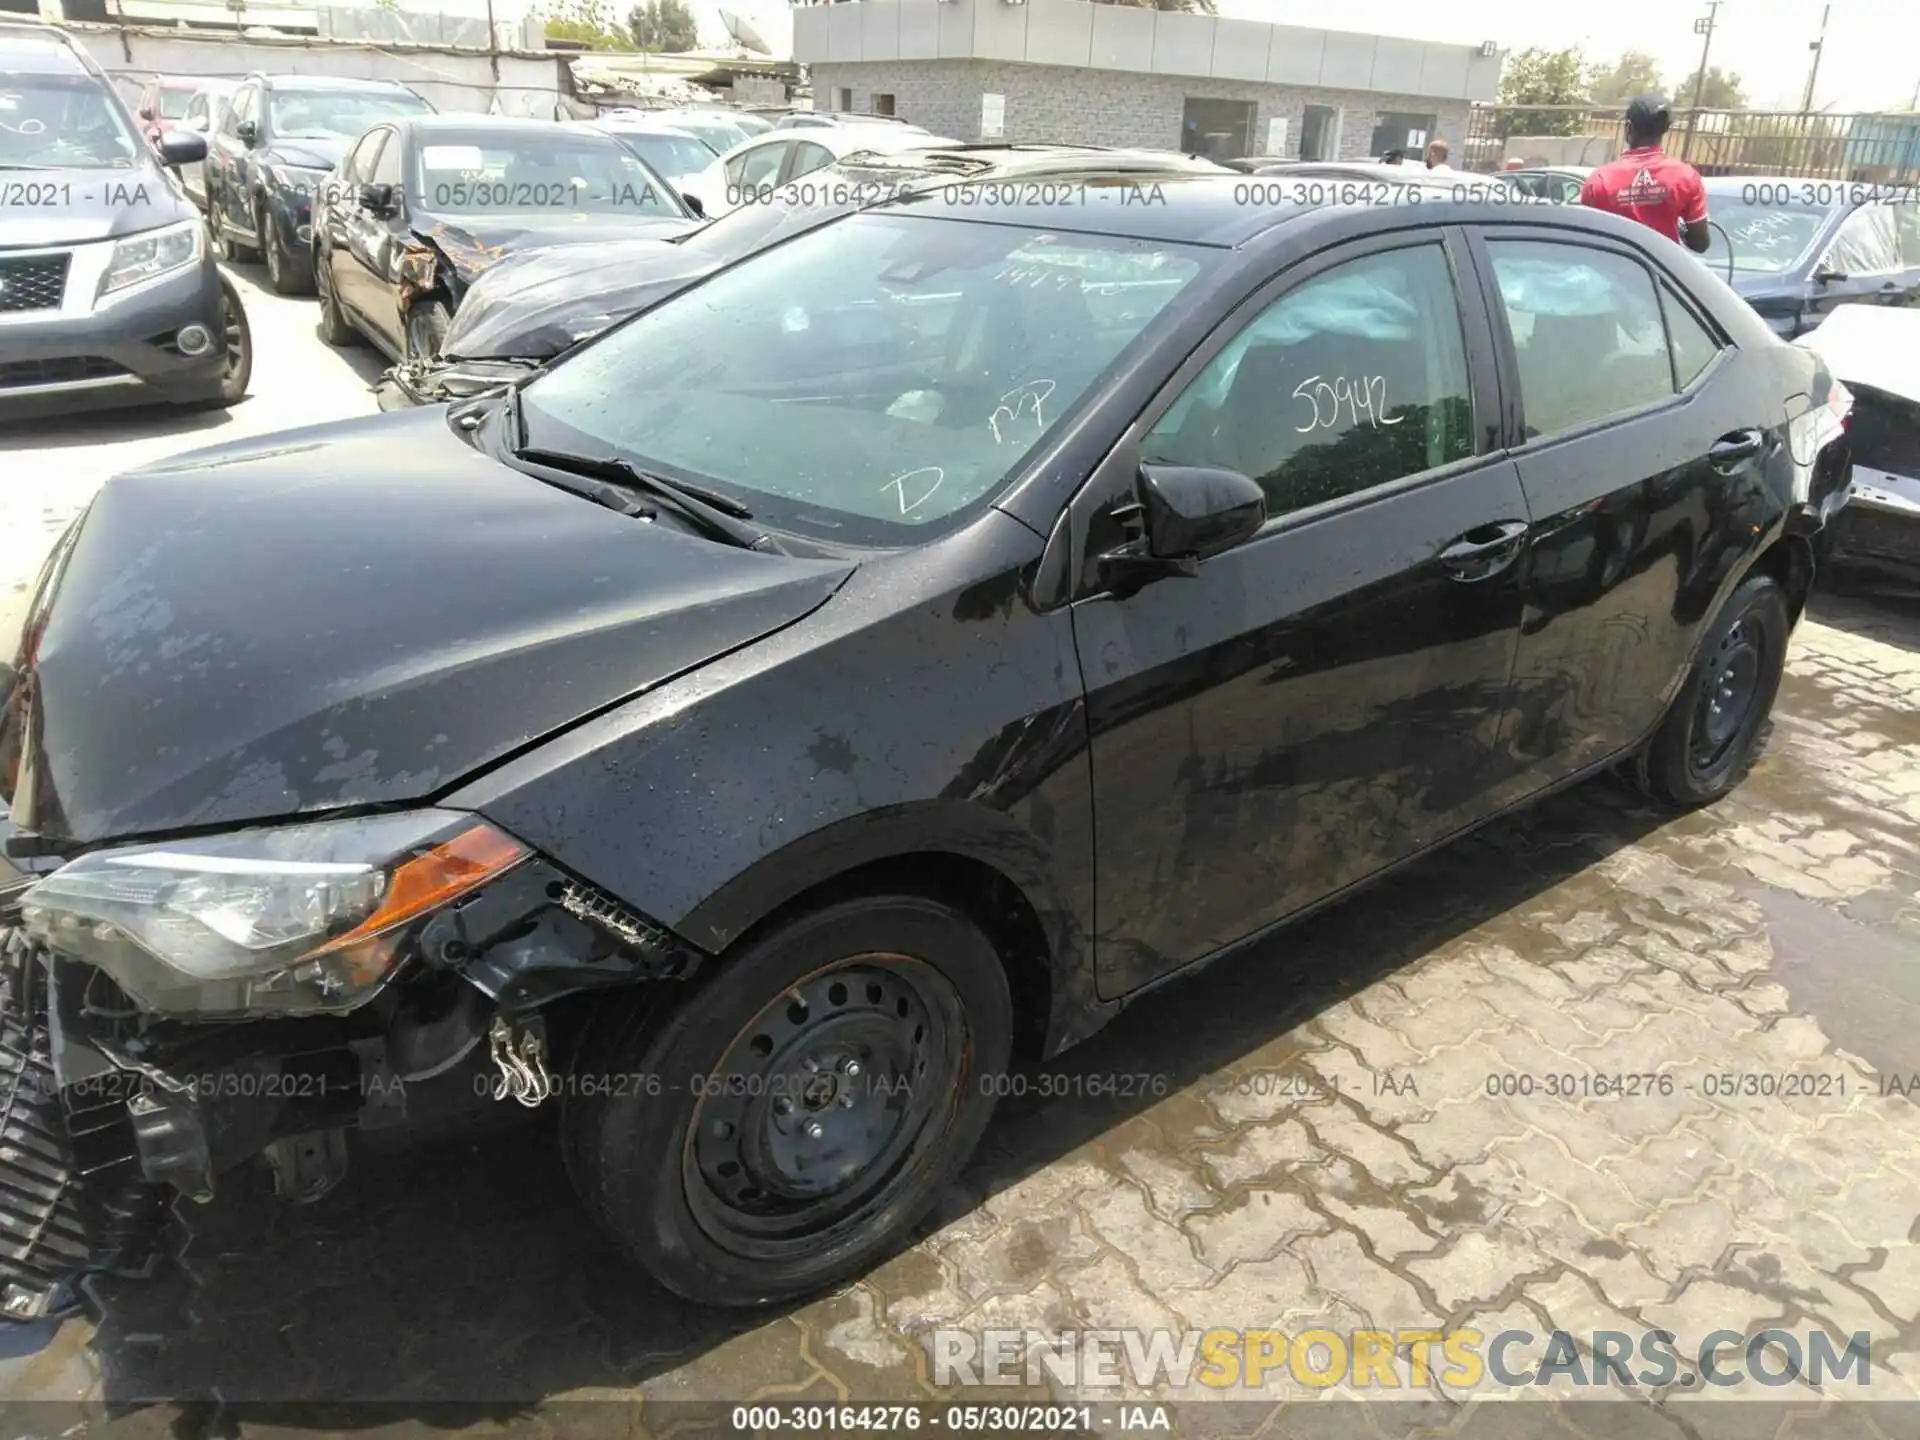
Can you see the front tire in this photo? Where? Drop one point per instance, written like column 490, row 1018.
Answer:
column 284, row 269
column 806, row 1102
column 238, row 337
column 1712, row 731
column 333, row 326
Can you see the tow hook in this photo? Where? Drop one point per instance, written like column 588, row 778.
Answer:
column 520, row 1054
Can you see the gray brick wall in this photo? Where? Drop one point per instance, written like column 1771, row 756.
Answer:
column 1105, row 107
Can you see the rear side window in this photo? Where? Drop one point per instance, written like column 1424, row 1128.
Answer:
column 1355, row 378
column 1692, row 344
column 1588, row 336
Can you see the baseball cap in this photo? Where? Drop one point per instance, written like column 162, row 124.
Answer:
column 1649, row 112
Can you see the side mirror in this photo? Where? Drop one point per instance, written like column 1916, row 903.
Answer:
column 692, row 202
column 378, row 199
column 248, row 132
column 1826, row 275
column 1181, row 515
column 182, row 147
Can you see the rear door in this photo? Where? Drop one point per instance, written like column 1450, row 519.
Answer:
column 1652, row 452
column 1325, row 699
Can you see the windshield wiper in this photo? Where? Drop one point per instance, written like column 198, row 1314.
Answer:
column 715, row 515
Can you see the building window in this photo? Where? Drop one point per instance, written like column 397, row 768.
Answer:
column 1320, row 133
column 1398, row 130
column 843, row 98
column 1217, row 129
column 882, row 104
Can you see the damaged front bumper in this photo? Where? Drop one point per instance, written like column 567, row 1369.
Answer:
column 108, row 1114
column 421, row 382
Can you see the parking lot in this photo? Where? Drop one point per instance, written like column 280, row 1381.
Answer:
column 1406, row 1114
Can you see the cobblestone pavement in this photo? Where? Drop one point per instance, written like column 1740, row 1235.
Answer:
column 1327, row 1152
column 1356, row 1131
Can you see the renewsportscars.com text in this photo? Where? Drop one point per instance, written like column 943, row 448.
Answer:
column 1386, row 1360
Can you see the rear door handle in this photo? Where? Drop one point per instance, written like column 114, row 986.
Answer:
column 1485, row 550
column 1731, row 450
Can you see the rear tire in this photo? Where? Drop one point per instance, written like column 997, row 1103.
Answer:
column 1712, row 730
column 785, row 1125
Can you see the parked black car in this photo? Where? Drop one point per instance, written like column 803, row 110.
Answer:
column 276, row 143
column 420, row 208
column 108, row 288
column 531, row 307
column 707, row 735
column 1800, row 248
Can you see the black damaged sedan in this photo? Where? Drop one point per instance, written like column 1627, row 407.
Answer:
column 866, row 670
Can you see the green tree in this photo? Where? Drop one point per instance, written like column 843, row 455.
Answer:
column 587, row 22
column 664, row 26
column 1543, row 77
column 1720, row 91
column 1634, row 73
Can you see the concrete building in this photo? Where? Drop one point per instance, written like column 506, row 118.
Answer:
column 1068, row 70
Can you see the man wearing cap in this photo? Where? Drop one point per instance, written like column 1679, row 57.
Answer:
column 1649, row 185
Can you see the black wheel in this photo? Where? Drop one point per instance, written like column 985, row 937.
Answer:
column 285, row 271
column 238, row 336
column 333, row 325
column 1712, row 731
column 427, row 325
column 805, row 1105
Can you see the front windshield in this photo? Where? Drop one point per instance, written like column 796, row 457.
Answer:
column 338, row 114
column 61, row 121
column 486, row 172
column 719, row 134
column 674, row 156
column 1766, row 239
column 868, row 379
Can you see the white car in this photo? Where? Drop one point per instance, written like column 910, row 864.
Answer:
column 766, row 162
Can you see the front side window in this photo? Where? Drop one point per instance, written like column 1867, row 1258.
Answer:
column 1867, row 244
column 808, row 157
column 759, row 166
column 1355, row 378
column 196, row 116
column 869, row 379
column 1588, row 337
column 241, row 110
column 338, row 114
column 1906, row 220
column 63, row 121
column 481, row 173
column 360, row 159
column 386, row 166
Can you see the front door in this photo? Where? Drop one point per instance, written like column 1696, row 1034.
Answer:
column 374, row 245
column 1651, row 456
column 1325, row 699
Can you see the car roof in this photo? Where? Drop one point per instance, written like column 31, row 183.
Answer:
column 183, row 82
column 1216, row 209
column 993, row 157
column 438, row 124
column 328, row 82
column 28, row 54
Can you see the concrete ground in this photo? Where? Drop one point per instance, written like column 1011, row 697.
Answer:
column 1353, row 1127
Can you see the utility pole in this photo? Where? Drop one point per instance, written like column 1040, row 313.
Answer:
column 1703, row 26
column 1819, row 48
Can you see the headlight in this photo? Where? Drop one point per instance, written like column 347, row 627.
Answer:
column 300, row 919
column 141, row 257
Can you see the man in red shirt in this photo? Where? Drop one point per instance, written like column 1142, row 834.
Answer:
column 1649, row 185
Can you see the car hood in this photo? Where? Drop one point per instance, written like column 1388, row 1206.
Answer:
column 1871, row 345
column 90, row 204
column 352, row 614
column 475, row 244
column 306, row 154
column 533, row 305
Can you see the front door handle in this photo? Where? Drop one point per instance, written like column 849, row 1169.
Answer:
column 1485, row 550
column 1730, row 451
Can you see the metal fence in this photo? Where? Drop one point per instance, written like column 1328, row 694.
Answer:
column 1876, row 147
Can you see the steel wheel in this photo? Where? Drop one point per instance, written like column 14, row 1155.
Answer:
column 820, row 1101
column 804, row 1102
column 1728, row 690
